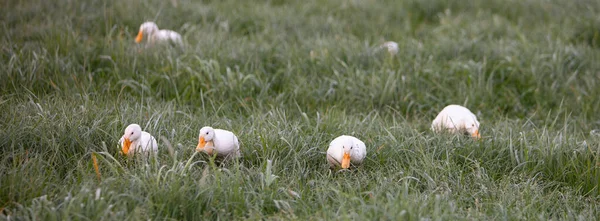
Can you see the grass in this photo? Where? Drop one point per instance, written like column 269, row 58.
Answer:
column 287, row 78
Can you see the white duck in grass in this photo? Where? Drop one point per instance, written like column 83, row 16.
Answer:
column 216, row 141
column 392, row 47
column 154, row 35
column 134, row 140
column 456, row 119
column 344, row 150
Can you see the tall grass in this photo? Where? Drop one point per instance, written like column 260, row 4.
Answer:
column 287, row 78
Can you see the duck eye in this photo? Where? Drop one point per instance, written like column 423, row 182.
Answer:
column 132, row 133
column 206, row 133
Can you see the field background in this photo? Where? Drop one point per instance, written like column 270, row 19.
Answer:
column 287, row 77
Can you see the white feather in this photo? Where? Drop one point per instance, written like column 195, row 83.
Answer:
column 154, row 35
column 455, row 119
column 225, row 142
column 335, row 152
column 392, row 47
column 144, row 143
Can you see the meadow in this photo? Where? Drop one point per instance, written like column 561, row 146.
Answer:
column 288, row 77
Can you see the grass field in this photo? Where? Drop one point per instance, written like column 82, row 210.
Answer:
column 287, row 77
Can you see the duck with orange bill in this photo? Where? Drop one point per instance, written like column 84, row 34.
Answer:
column 150, row 31
column 456, row 119
column 345, row 150
column 137, row 141
column 216, row 141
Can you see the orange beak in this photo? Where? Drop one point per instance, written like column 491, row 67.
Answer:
column 476, row 135
column 346, row 161
column 201, row 144
column 126, row 145
column 139, row 37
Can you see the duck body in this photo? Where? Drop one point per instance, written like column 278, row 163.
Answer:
column 344, row 150
column 392, row 47
column 134, row 140
column 224, row 143
column 456, row 119
column 166, row 36
column 156, row 36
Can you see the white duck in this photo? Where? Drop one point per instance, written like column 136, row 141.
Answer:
column 456, row 119
column 224, row 142
column 345, row 149
column 150, row 29
column 135, row 140
column 392, row 47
